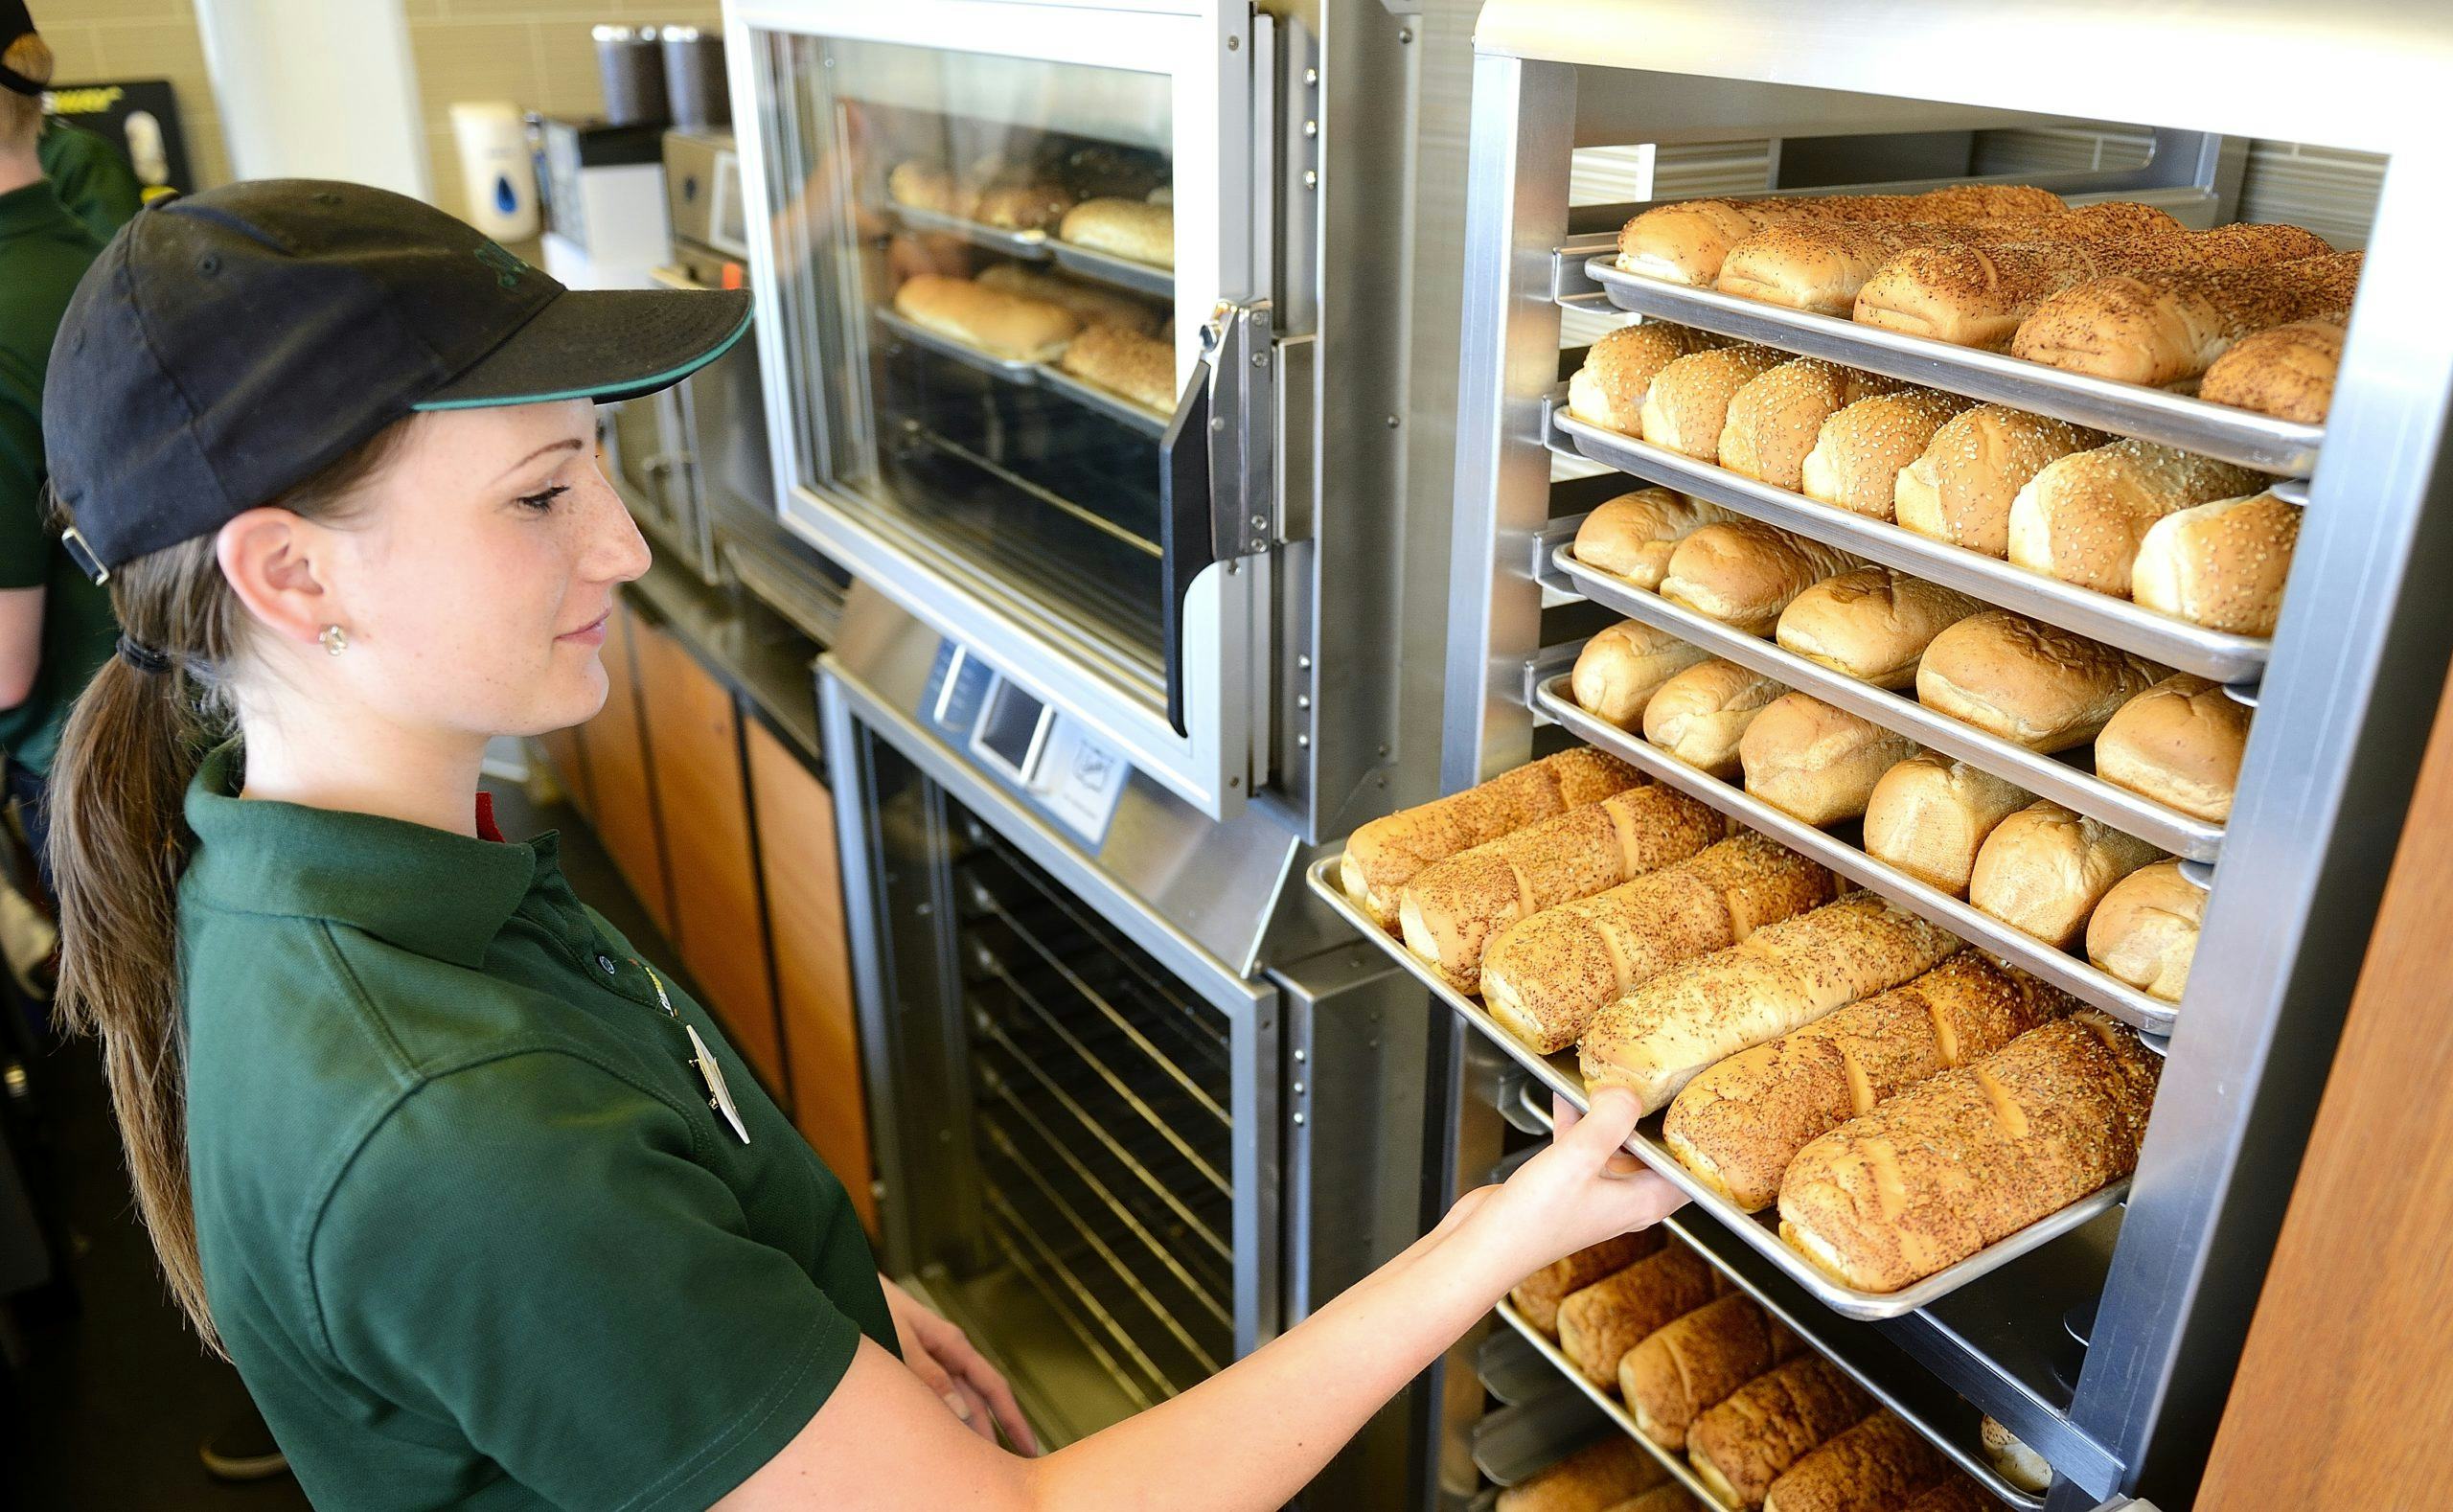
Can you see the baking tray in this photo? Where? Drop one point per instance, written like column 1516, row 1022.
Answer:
column 1017, row 371
column 1030, row 245
column 1107, row 268
column 1090, row 395
column 2149, row 1015
column 1511, row 1371
column 1677, row 1465
column 2128, row 409
column 1560, row 1074
column 1513, row 1443
column 2116, row 622
column 2073, row 787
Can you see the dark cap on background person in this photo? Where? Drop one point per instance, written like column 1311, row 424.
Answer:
column 16, row 21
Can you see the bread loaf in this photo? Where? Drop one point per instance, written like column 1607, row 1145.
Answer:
column 1972, row 1156
column 1744, row 573
column 1688, row 406
column 1929, row 816
column 1871, row 622
column 1859, row 454
column 2165, row 327
column 2178, row 742
column 1960, row 490
column 1386, row 854
column 1594, row 1478
column 1632, row 536
column 1011, row 326
column 2145, row 932
column 1686, row 243
column 2221, row 565
column 1601, row 1323
column 1874, row 1467
column 1738, row 1125
column 1452, row 908
column 1610, row 389
column 1655, row 1040
column 1700, row 716
column 1021, row 206
column 2026, row 682
column 1693, row 1363
column 1097, row 305
column 1140, row 369
column 1127, row 228
column 1545, row 976
column 921, row 186
column 2283, row 371
column 1773, row 421
column 2043, row 870
column 1742, row 1446
column 2019, row 1465
column 1621, row 668
column 1537, row 1297
column 1956, row 1493
column 1822, row 266
column 2081, row 518
column 1816, row 763
column 1670, row 1497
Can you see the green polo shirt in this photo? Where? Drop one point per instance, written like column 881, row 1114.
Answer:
column 471, row 1228
column 91, row 176
column 43, row 252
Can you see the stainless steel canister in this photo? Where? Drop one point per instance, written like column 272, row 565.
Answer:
column 693, row 77
column 633, row 73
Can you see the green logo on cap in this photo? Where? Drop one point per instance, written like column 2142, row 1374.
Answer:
column 507, row 268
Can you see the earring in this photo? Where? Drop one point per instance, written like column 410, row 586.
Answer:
column 335, row 639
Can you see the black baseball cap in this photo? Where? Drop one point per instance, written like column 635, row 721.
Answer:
column 229, row 345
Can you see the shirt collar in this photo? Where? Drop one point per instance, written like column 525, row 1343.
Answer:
column 421, row 888
column 35, row 207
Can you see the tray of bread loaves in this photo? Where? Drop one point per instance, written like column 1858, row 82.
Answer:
column 1128, row 242
column 1916, row 1114
column 1098, row 347
column 2111, row 316
column 1733, row 1398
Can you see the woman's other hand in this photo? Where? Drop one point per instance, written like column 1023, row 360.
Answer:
column 1581, row 1190
column 943, row 1357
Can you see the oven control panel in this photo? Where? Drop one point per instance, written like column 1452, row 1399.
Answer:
column 1040, row 752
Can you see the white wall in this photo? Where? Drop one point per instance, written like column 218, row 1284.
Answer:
column 317, row 89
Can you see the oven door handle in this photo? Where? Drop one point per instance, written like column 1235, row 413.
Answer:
column 1216, row 490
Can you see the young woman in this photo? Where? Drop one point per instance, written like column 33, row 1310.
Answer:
column 443, row 1164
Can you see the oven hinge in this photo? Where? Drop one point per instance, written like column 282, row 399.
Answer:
column 1239, row 347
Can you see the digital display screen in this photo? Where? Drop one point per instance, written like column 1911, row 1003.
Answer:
column 1010, row 725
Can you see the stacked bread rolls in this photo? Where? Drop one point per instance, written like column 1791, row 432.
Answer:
column 1694, row 1363
column 1382, row 856
column 1600, row 1323
column 1611, row 388
column 1740, row 1447
column 1538, row 1296
column 1633, row 534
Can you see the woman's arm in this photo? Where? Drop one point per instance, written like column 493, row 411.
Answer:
column 1246, row 1440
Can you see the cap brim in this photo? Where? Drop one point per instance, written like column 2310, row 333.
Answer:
column 602, row 344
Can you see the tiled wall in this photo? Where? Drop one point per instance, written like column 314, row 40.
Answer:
column 96, row 39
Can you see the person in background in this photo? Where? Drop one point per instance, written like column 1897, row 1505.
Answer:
column 90, row 177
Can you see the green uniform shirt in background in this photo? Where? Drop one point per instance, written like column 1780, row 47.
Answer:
column 43, row 252
column 470, row 1227
column 90, row 175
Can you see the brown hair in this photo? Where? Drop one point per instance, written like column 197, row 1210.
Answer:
column 21, row 115
column 119, row 842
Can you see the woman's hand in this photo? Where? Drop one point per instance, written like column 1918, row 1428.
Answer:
column 942, row 1356
column 1581, row 1190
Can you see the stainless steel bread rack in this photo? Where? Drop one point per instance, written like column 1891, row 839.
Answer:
column 2188, row 838
column 1028, row 246
column 1124, row 272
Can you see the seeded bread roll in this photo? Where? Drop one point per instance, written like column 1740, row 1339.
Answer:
column 1816, row 763
column 1142, row 369
column 995, row 322
column 1545, row 976
column 2167, row 326
column 1632, row 536
column 1610, row 389
column 1701, row 714
column 1742, row 1446
column 2285, row 371
column 1821, row 266
column 2178, row 742
column 1872, row 1467
column 1972, row 1156
column 1871, row 622
column 1386, row 854
column 1686, row 243
column 1125, row 228
column 1600, row 1323
column 1781, row 977
column 1691, row 1365
column 1743, row 572
column 2044, row 869
column 1738, row 1125
column 1454, row 908
column 1773, row 421
column 1537, row 1297
column 1859, row 454
column 2030, row 682
column 2221, row 565
column 2021, row 1466
column 1960, row 490
column 2145, row 932
column 2081, row 518
column 1688, row 406
column 1097, row 305
column 1594, row 1478
column 1621, row 668
column 1929, row 816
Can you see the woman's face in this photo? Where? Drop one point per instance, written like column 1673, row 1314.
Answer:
column 475, row 578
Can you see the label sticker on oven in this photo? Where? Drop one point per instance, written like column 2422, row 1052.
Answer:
column 1079, row 779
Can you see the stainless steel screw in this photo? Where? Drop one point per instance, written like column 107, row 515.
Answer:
column 1311, row 179
column 1234, row 42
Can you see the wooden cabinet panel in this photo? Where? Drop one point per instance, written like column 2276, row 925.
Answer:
column 812, row 960
column 694, row 732
column 614, row 752
column 567, row 754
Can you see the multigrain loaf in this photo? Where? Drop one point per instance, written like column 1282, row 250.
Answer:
column 1691, row 1365
column 2167, row 326
column 1386, row 854
column 1688, row 406
column 1134, row 229
column 1687, row 243
column 1594, row 1478
column 2081, row 518
column 1743, row 572
column 1701, row 714
column 1774, row 419
column 1859, row 454
column 1599, row 1324
column 1960, row 490
column 1969, row 1156
column 2285, row 371
column 1743, row 1445
column 1537, row 1297
column 1633, row 534
column 1823, row 267
column 1142, row 369
column 2222, row 565
column 1608, row 390
column 1623, row 666
column 1872, row 1467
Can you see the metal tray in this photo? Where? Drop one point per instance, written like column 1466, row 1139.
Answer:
column 1030, row 245
column 1561, row 1076
column 2116, row 622
column 1511, row 1371
column 1679, row 1469
column 2189, row 839
column 1090, row 395
column 1107, row 268
column 2149, row 1015
column 1513, row 1443
column 1017, row 371
column 2128, row 409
